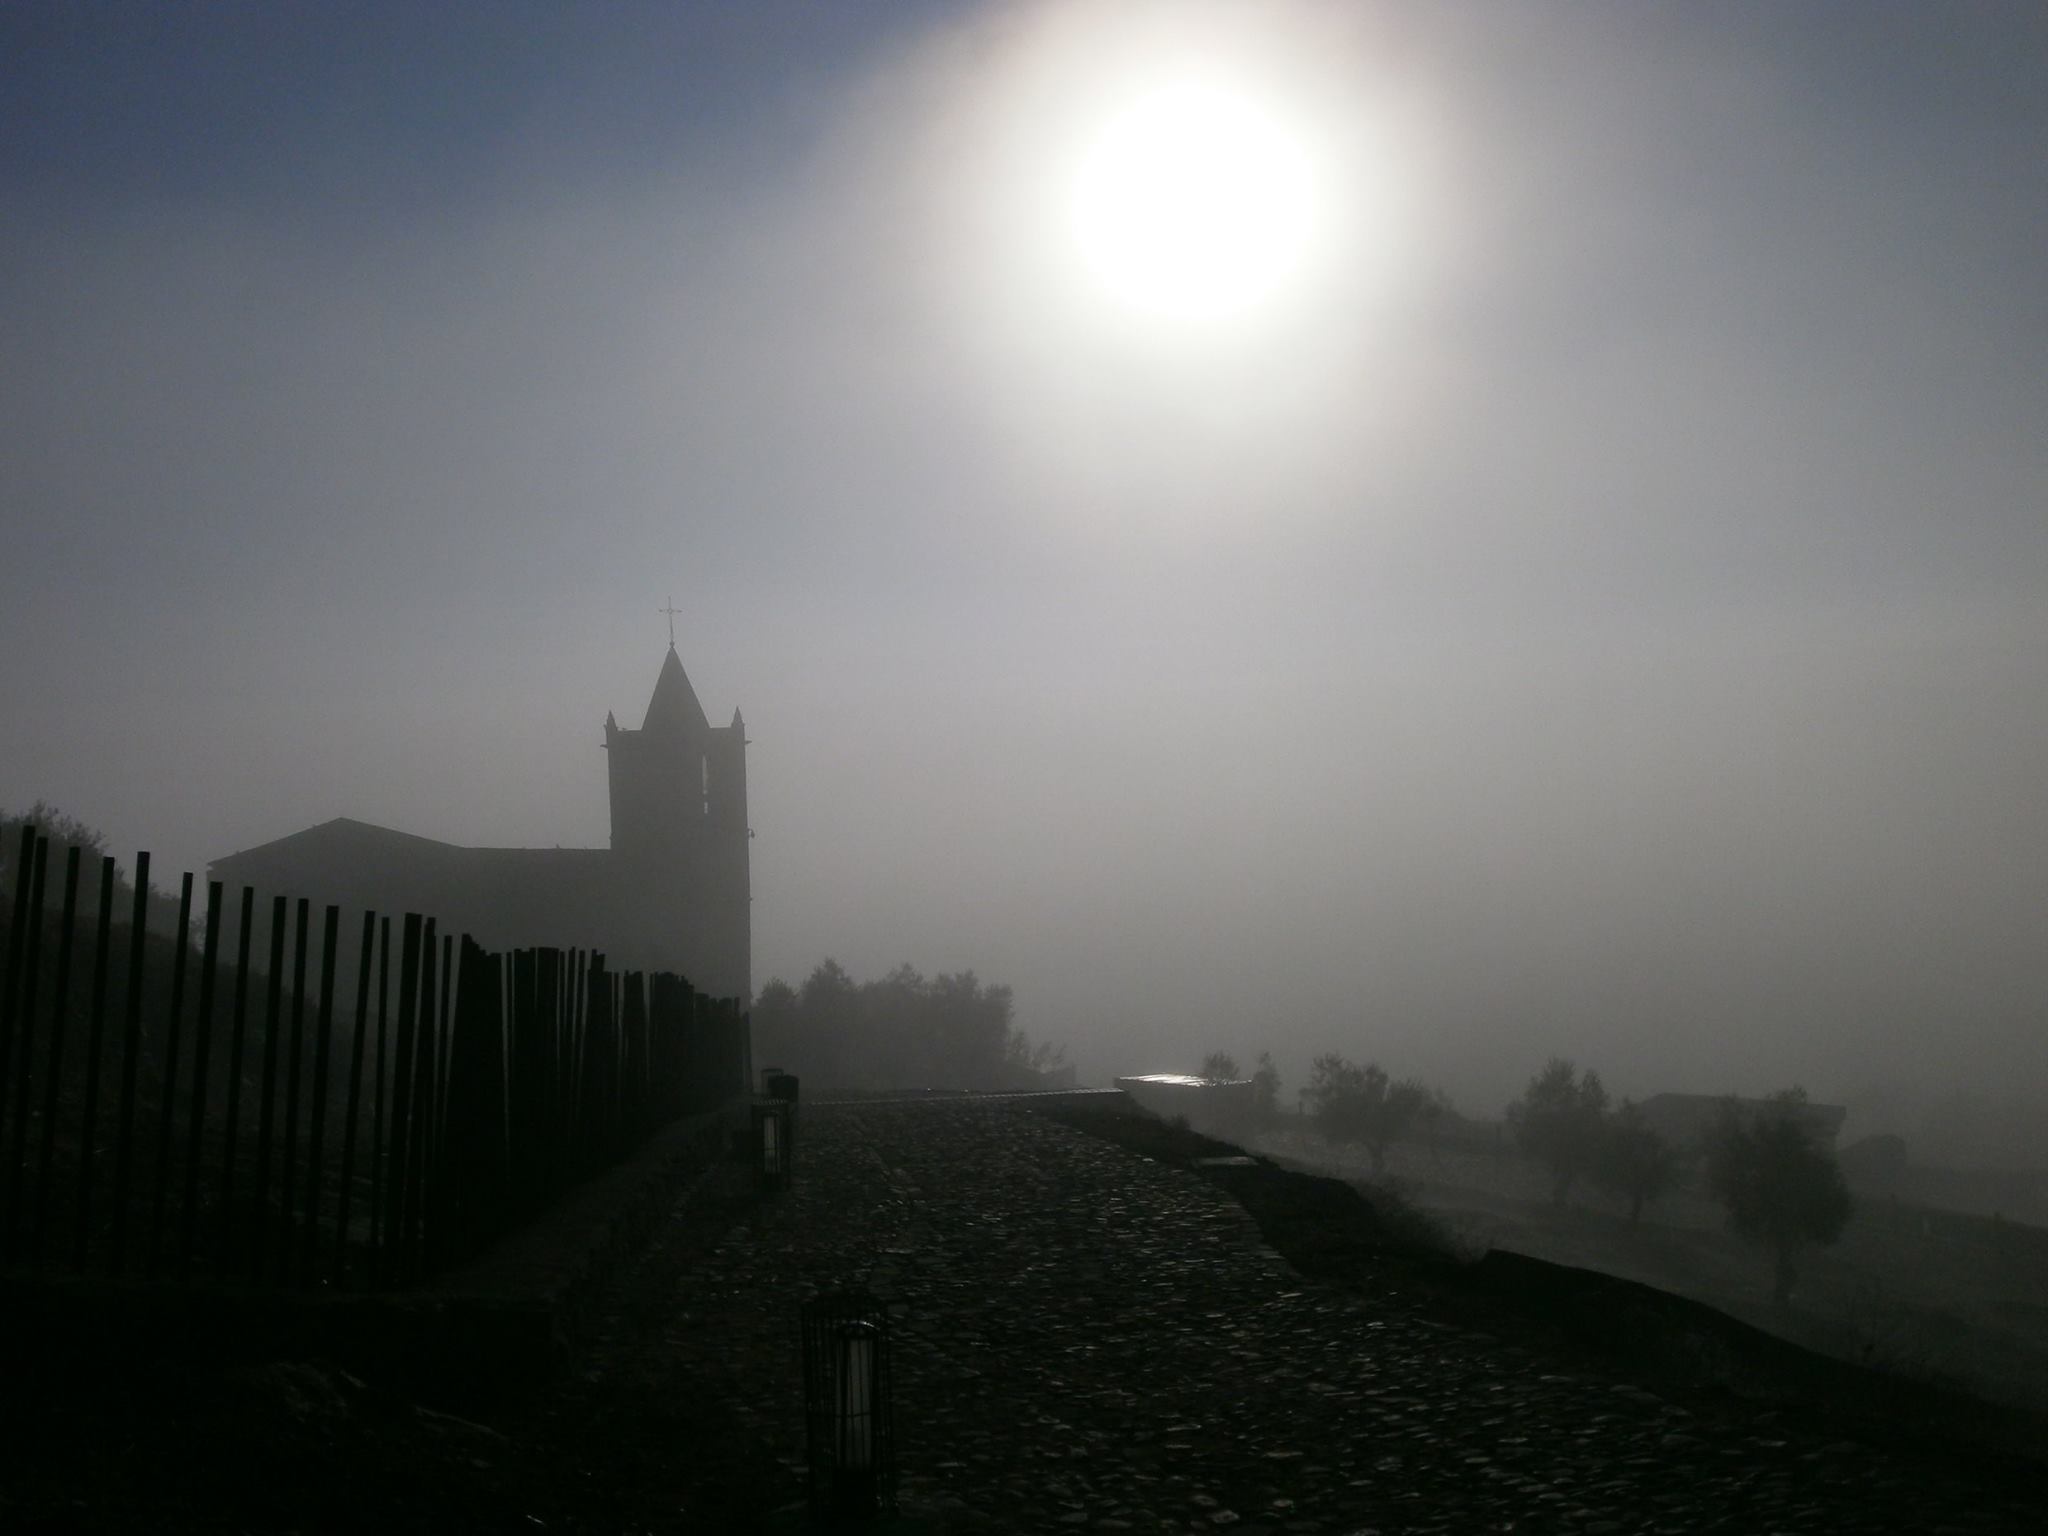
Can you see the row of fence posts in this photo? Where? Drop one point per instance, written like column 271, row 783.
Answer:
column 310, row 1143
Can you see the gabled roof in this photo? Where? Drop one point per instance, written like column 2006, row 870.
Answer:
column 674, row 707
column 343, row 832
column 346, row 838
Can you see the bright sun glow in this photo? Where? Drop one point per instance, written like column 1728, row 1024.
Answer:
column 1194, row 204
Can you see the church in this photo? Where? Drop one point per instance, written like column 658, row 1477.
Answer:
column 671, row 893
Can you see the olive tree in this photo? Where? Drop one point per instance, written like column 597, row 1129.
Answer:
column 1559, row 1120
column 1634, row 1161
column 1782, row 1190
column 1361, row 1104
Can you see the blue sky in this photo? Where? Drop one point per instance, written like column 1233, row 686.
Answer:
column 1605, row 615
column 401, row 105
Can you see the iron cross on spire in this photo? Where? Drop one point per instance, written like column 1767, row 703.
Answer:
column 671, row 610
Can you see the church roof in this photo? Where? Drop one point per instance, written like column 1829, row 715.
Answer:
column 674, row 706
column 347, row 839
column 343, row 832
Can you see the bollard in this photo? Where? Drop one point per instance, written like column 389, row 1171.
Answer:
column 849, row 1431
column 770, row 1144
column 783, row 1085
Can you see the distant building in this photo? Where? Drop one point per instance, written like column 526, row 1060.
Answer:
column 1685, row 1119
column 671, row 892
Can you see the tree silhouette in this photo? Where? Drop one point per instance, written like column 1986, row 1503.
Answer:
column 1559, row 1120
column 905, row 1030
column 1351, row 1103
column 1220, row 1066
column 1027, row 1061
column 773, row 1021
column 1634, row 1161
column 1782, row 1190
column 1436, row 1113
column 63, row 831
column 1266, row 1089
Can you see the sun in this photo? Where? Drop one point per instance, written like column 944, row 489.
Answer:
column 1195, row 203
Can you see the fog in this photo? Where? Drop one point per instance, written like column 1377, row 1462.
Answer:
column 1600, row 613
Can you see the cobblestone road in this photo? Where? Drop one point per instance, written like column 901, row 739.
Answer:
column 1095, row 1341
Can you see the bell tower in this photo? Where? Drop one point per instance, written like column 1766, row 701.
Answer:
column 658, row 773
column 679, row 838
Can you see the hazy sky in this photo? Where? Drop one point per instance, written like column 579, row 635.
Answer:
column 1596, row 607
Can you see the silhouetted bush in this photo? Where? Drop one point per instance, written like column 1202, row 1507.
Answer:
column 64, row 832
column 904, row 1031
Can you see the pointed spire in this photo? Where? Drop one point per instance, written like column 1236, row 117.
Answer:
column 674, row 707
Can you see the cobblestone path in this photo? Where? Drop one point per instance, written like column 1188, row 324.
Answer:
column 1094, row 1341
